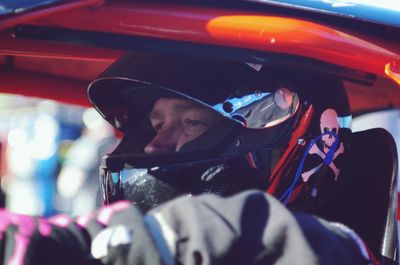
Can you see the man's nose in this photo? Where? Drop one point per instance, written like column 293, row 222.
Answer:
column 165, row 141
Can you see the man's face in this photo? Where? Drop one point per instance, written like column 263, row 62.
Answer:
column 177, row 122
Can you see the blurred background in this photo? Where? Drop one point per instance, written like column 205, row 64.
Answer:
column 43, row 143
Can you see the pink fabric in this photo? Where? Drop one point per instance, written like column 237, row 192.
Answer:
column 26, row 227
column 104, row 214
column 84, row 219
column 108, row 211
column 21, row 245
column 28, row 224
column 44, row 228
column 61, row 220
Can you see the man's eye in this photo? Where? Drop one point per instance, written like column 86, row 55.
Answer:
column 192, row 122
column 158, row 126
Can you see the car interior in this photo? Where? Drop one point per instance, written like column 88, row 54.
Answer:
column 55, row 55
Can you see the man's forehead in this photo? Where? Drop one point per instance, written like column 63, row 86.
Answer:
column 177, row 103
column 174, row 105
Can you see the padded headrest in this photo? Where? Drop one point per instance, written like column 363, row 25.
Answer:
column 367, row 194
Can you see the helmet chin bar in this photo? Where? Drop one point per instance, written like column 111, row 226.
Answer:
column 149, row 187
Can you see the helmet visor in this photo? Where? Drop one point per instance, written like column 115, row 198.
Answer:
column 160, row 120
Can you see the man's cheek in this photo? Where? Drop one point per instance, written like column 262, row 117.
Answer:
column 187, row 137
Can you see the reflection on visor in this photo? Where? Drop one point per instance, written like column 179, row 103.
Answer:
column 138, row 185
column 233, row 104
column 260, row 109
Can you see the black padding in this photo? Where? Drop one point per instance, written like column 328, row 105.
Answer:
column 366, row 199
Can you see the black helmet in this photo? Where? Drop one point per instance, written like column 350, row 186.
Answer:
column 276, row 130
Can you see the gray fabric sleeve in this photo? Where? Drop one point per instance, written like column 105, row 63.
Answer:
column 124, row 239
column 249, row 228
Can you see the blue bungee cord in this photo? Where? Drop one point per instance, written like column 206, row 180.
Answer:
column 328, row 159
